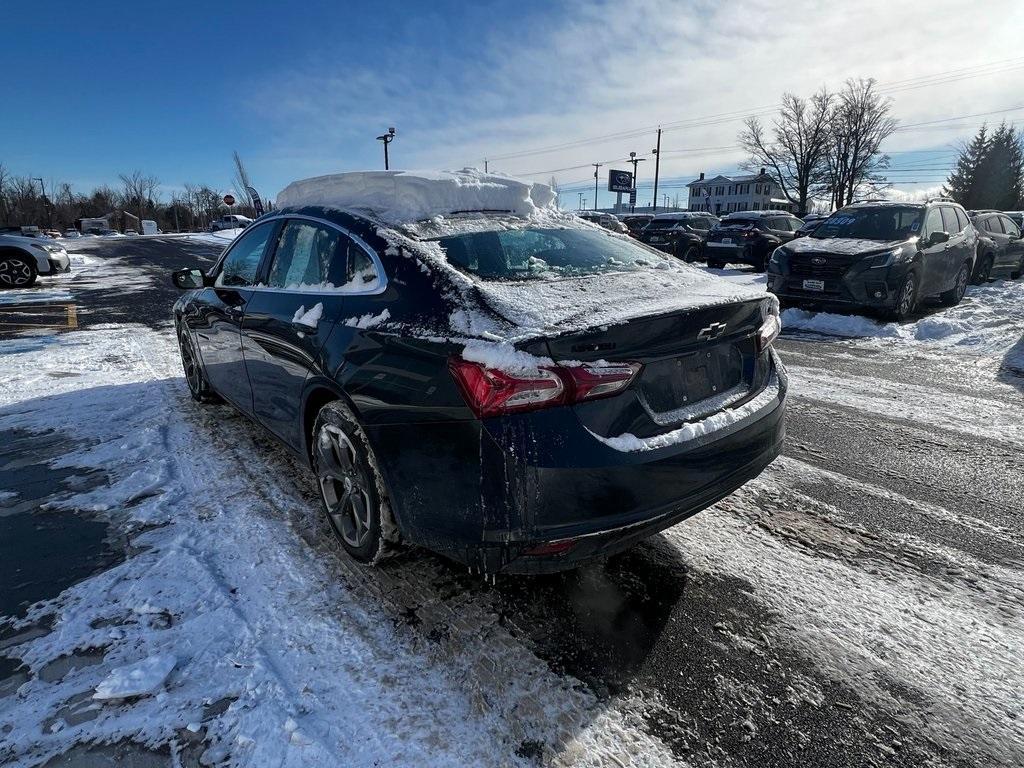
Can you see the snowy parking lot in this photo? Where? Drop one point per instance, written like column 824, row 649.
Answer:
column 178, row 599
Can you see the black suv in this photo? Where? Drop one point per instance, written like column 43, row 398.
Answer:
column 749, row 237
column 681, row 234
column 630, row 392
column 881, row 255
column 1000, row 247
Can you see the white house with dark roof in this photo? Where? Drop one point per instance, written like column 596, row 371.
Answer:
column 726, row 194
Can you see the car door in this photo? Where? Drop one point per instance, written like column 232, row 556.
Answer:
column 308, row 287
column 219, row 313
column 997, row 233
column 957, row 251
column 1014, row 243
column 933, row 257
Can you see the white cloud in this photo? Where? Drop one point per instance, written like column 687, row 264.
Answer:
column 600, row 68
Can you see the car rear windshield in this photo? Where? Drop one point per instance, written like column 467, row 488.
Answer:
column 665, row 223
column 738, row 223
column 544, row 254
column 881, row 223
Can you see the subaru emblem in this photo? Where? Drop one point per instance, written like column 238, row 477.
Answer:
column 817, row 260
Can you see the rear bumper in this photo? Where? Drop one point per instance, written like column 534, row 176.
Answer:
column 485, row 495
column 731, row 253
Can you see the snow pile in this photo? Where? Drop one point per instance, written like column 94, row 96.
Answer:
column 308, row 317
column 988, row 322
column 139, row 679
column 716, row 422
column 396, row 197
column 368, row 320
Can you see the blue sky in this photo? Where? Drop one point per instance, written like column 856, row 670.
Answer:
column 299, row 90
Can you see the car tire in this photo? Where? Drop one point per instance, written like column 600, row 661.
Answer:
column 906, row 298
column 716, row 264
column 955, row 295
column 691, row 254
column 195, row 376
column 983, row 272
column 352, row 492
column 17, row 271
column 1015, row 275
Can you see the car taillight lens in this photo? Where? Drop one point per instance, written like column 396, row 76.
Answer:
column 768, row 332
column 492, row 392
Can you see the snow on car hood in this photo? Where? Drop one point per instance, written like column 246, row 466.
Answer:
column 846, row 246
column 543, row 307
column 396, row 197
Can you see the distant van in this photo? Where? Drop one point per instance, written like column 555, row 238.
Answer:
column 149, row 227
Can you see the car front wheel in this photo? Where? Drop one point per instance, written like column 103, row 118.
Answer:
column 906, row 299
column 955, row 295
column 351, row 489
column 195, row 376
column 984, row 270
column 16, row 271
column 691, row 254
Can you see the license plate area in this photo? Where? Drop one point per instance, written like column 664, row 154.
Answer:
column 679, row 382
column 814, row 285
column 727, row 241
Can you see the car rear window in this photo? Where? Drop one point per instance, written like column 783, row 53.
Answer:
column 738, row 223
column 664, row 224
column 545, row 254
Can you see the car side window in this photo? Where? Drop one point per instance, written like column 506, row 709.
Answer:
column 305, row 256
column 949, row 220
column 962, row 219
column 243, row 260
column 1010, row 227
column 361, row 273
column 996, row 226
column 932, row 222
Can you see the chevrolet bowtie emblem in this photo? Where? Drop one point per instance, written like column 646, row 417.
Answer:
column 713, row 331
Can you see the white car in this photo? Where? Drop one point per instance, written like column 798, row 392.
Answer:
column 22, row 259
column 230, row 221
column 71, row 234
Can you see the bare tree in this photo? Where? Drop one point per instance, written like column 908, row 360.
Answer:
column 860, row 123
column 138, row 191
column 794, row 148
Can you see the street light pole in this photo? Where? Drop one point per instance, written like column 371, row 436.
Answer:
column 657, row 167
column 387, row 138
column 46, row 203
column 581, row 200
column 634, row 160
column 596, row 167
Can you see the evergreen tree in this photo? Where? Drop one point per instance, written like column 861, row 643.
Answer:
column 962, row 184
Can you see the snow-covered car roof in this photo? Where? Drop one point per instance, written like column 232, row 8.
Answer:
column 400, row 197
column 683, row 215
column 755, row 214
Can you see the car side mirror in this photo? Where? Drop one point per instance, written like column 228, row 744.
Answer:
column 937, row 238
column 188, row 279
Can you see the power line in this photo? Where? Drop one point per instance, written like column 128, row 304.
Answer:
column 920, row 81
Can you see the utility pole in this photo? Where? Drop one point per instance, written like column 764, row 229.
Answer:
column 46, row 203
column 597, row 166
column 634, row 160
column 657, row 167
column 581, row 200
column 485, row 165
column 387, row 138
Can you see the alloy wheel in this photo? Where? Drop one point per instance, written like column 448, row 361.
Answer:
column 906, row 303
column 985, row 272
column 15, row 273
column 189, row 363
column 344, row 486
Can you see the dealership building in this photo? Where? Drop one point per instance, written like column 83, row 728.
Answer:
column 726, row 194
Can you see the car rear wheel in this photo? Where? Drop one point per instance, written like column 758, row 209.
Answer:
column 351, row 489
column 1019, row 271
column 906, row 299
column 984, row 271
column 16, row 271
column 716, row 264
column 955, row 295
column 195, row 376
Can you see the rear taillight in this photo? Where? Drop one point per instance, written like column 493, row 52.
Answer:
column 768, row 332
column 492, row 392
